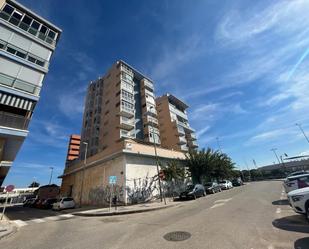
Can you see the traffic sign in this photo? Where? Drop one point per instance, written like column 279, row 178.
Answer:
column 112, row 179
column 9, row 188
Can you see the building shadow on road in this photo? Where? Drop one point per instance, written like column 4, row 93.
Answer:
column 294, row 223
column 302, row 243
column 281, row 202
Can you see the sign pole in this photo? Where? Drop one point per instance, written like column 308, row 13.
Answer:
column 6, row 201
column 110, row 198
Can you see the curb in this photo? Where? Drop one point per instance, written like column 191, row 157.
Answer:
column 123, row 212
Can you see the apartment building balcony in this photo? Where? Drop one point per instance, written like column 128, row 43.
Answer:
column 74, row 147
column 126, row 123
column 147, row 84
column 182, row 140
column 186, row 126
column 184, row 147
column 193, row 144
column 191, row 136
column 180, row 130
column 178, row 112
column 73, row 152
column 126, row 112
column 126, row 134
column 126, row 70
column 151, row 110
column 151, row 120
column 19, row 84
column 13, row 121
column 6, row 163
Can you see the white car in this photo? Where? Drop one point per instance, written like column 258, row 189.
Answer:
column 299, row 200
column 64, row 203
column 295, row 182
column 226, row 184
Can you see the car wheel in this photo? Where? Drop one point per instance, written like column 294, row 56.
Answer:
column 213, row 191
column 204, row 193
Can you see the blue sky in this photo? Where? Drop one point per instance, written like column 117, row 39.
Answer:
column 241, row 66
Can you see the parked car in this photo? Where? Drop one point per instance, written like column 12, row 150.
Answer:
column 64, row 203
column 295, row 182
column 193, row 191
column 28, row 202
column 299, row 200
column 237, row 182
column 226, row 184
column 48, row 203
column 212, row 187
column 296, row 173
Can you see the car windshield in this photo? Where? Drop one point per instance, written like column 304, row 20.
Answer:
column 222, row 182
column 190, row 187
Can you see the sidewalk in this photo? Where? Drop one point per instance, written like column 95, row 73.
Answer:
column 121, row 210
column 6, row 228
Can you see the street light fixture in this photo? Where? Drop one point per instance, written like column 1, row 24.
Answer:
column 156, row 155
column 83, row 173
column 301, row 129
column 51, row 174
column 274, row 150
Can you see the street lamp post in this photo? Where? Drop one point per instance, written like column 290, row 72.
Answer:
column 51, row 174
column 301, row 129
column 157, row 160
column 274, row 150
column 83, row 172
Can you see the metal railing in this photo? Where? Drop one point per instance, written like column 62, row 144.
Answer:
column 26, row 27
column 13, row 121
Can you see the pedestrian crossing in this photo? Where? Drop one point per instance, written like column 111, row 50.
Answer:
column 22, row 223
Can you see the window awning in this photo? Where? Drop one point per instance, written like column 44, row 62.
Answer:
column 16, row 101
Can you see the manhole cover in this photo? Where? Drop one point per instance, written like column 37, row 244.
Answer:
column 177, row 236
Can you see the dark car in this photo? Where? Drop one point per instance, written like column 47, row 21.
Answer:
column 212, row 187
column 48, row 203
column 237, row 182
column 193, row 191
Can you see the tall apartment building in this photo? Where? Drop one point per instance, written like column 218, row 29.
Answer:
column 27, row 42
column 73, row 148
column 175, row 131
column 119, row 105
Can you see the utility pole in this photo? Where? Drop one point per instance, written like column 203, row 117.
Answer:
column 301, row 129
column 51, row 174
column 157, row 159
column 83, row 173
column 274, row 150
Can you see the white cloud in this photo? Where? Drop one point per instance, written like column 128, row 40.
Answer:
column 202, row 131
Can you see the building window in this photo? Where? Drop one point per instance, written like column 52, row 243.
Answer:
column 8, row 9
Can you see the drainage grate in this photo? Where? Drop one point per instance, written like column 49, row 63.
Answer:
column 177, row 236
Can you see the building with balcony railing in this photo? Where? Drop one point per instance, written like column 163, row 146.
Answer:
column 124, row 104
column 27, row 42
column 176, row 132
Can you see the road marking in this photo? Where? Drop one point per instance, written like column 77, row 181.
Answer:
column 51, row 218
column 218, row 205
column 223, row 200
column 38, row 220
column 278, row 211
column 20, row 223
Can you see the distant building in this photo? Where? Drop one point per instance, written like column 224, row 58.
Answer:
column 73, row 148
column 293, row 165
column 175, row 130
column 27, row 42
column 47, row 191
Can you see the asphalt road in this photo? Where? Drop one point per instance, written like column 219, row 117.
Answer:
column 249, row 217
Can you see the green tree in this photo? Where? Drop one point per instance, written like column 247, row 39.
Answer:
column 34, row 184
column 173, row 171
